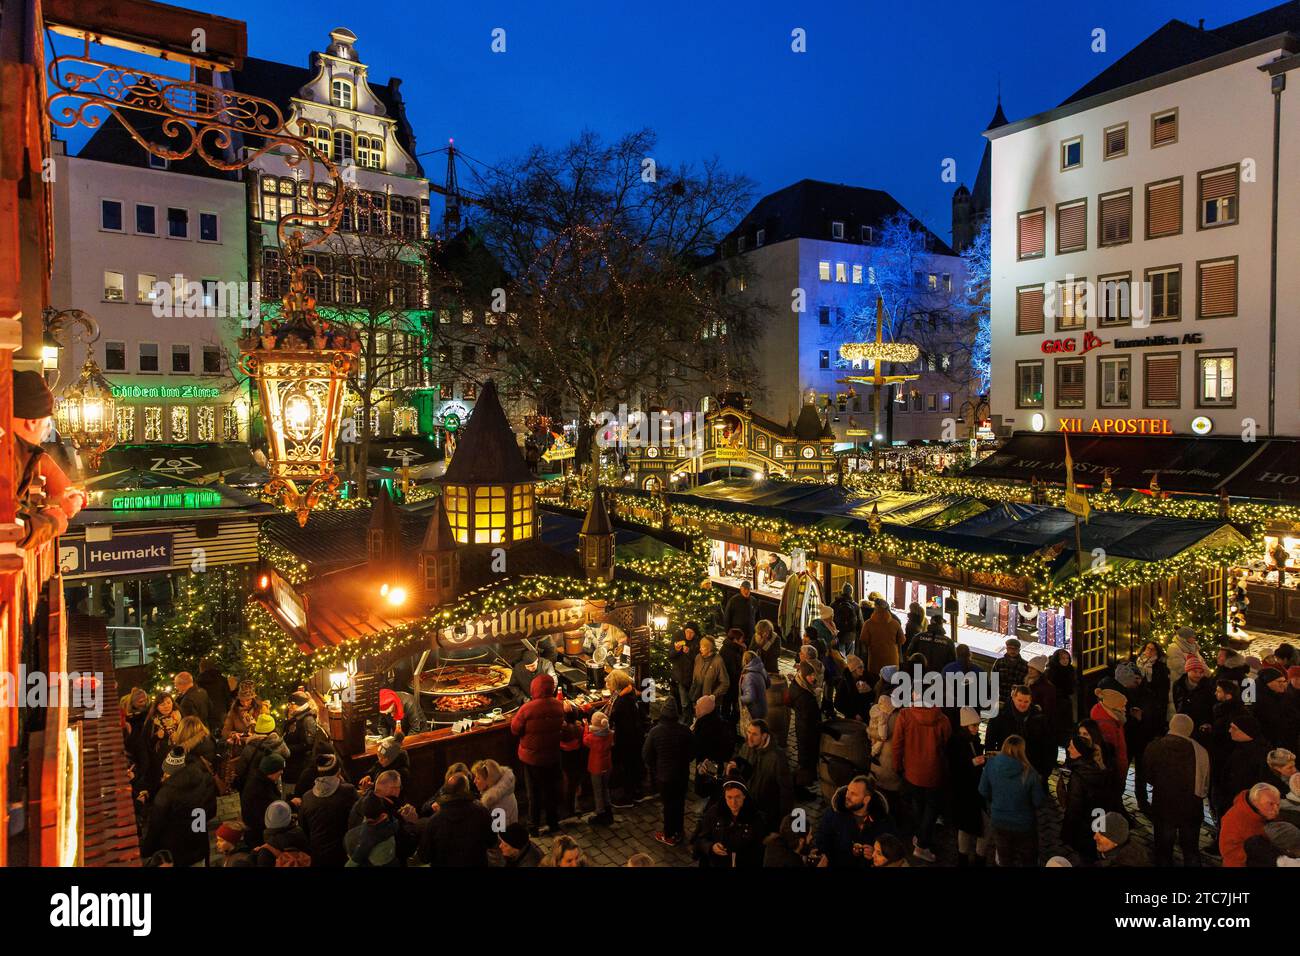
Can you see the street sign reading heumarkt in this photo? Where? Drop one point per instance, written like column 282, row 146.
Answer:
column 128, row 554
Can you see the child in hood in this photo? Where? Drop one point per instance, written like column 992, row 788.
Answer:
column 599, row 741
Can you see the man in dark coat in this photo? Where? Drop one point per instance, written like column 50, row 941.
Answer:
column 681, row 659
column 1193, row 695
column 261, row 789
column 934, row 645
column 217, row 687
column 324, row 813
column 765, row 768
column 732, row 654
column 193, row 701
column 741, row 611
column 629, row 736
column 1247, row 761
column 460, row 833
column 1022, row 716
column 1277, row 708
column 1178, row 769
column 187, row 787
column 300, row 734
column 731, row 832
column 667, row 752
column 849, row 828
column 848, row 619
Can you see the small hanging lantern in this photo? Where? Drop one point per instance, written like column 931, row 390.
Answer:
column 87, row 414
column 301, row 369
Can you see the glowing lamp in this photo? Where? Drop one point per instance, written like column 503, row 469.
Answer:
column 87, row 414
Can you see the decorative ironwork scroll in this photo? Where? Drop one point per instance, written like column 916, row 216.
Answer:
column 197, row 120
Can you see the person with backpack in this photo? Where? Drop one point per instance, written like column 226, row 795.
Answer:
column 324, row 811
column 373, row 841
column 667, row 751
column 459, row 834
column 188, row 794
column 300, row 734
column 848, row 619
column 283, row 842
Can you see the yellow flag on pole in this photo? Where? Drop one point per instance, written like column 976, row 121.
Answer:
column 1076, row 502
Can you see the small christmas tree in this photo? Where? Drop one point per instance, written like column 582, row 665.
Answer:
column 207, row 622
column 1194, row 608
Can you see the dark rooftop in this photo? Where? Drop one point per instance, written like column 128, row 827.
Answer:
column 487, row 451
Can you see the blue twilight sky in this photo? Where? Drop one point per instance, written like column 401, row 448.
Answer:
column 884, row 93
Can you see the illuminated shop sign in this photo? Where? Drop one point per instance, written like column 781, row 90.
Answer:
column 166, row 391
column 1090, row 342
column 1188, row 338
column 163, row 501
column 1116, row 426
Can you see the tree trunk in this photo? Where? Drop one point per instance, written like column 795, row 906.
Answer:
column 363, row 449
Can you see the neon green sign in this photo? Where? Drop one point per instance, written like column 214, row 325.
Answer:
column 188, row 500
column 166, row 391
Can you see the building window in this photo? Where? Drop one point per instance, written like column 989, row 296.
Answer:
column 114, row 287
column 209, row 229
column 1070, row 383
column 932, row 282
column 760, row 237
column 1114, row 305
column 158, row 162
column 1029, row 384
column 824, row 359
column 146, row 287
column 178, row 223
column 1166, row 285
column 1217, row 289
column 1113, row 378
column 456, row 500
column 1071, row 304
column 114, row 356
column 1115, row 217
column 1165, row 208
column 1072, row 226
column 1164, row 128
column 837, row 230
column 1072, row 153
column 146, row 220
column 841, row 272
column 181, row 359
column 1029, row 310
column 857, row 275
column 110, row 215
column 342, row 146
column 205, row 423
column 1114, row 141
column 211, row 359
column 149, row 357
column 824, row 271
column 370, row 152
column 125, row 417
column 917, row 399
column 1160, row 380
column 489, row 514
column 153, row 423
column 946, row 402
column 341, row 93
column 932, row 402
column 1216, row 375
column 867, row 234
column 521, row 509
column 180, row 416
column 947, row 282
column 823, row 315
column 1218, row 197
column 1031, row 231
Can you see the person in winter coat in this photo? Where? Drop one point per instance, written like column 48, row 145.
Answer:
column 855, row 819
column 573, row 760
column 848, row 619
column 712, row 740
column 324, row 813
column 1111, row 713
column 1182, row 649
column 934, row 645
column 300, row 734
column 279, row 834
column 741, row 611
column 880, row 731
column 598, row 738
column 1247, row 760
column 537, row 724
column 517, row 850
column 1060, row 672
column 710, row 674
column 1250, row 812
column 804, row 701
column 853, row 693
column 916, row 623
column 965, row 810
column 261, row 789
column 1014, row 792
column 217, row 686
column 1115, row 845
column 1193, row 695
column 767, row 645
column 460, row 833
column 667, row 752
column 1178, row 769
column 920, row 741
column 763, row 765
column 1083, row 789
column 1230, row 665
column 187, row 786
column 242, row 715
column 625, row 720
column 390, row 755
column 882, row 637
column 1043, row 693
column 1149, row 714
column 193, row 701
column 1104, row 755
column 753, row 690
column 681, row 661
column 1011, row 670
column 496, row 791
column 1023, row 718
column 733, row 654
column 1277, row 708
column 161, row 726
column 374, row 840
column 731, row 832
column 1278, row 845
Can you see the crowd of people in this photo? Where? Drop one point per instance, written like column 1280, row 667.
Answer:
column 1197, row 734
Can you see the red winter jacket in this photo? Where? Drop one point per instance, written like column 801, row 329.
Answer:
column 1113, row 731
column 600, row 749
column 920, row 741
column 538, row 723
column 1238, row 825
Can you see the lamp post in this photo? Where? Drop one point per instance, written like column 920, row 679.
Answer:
column 878, row 352
column 87, row 414
column 301, row 368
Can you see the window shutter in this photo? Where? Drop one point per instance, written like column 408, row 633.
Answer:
column 1029, row 311
column 1116, row 140
column 1165, row 129
column 1218, row 289
column 1116, row 218
column 1219, row 185
column 1162, row 379
column 1072, row 227
column 1032, row 228
column 1165, row 209
column 1069, row 383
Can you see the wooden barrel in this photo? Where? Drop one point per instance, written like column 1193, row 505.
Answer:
column 845, row 753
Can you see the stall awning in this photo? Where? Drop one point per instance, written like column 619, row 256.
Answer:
column 158, row 466
column 1272, row 475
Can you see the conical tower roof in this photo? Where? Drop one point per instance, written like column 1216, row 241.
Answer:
column 597, row 520
column 487, row 452
column 438, row 536
column 383, row 516
column 809, row 425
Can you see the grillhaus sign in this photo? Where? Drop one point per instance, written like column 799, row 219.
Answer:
column 537, row 619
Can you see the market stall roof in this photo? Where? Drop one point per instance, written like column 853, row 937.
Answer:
column 487, row 452
column 1183, row 463
column 181, row 500
column 154, row 465
column 420, row 453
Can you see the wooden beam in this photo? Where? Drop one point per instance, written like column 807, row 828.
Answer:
column 157, row 29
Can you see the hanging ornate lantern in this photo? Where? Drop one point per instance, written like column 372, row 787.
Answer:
column 87, row 414
column 301, row 369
